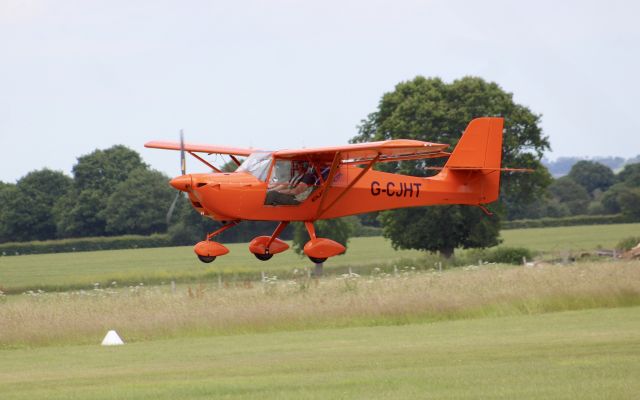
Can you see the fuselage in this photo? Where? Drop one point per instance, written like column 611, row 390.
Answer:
column 241, row 195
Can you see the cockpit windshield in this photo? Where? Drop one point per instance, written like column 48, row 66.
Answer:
column 257, row 164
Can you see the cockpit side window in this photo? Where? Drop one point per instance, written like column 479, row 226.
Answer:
column 257, row 164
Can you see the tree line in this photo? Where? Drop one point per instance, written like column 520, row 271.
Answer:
column 590, row 188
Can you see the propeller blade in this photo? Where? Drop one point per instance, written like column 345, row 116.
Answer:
column 183, row 161
column 183, row 169
column 173, row 206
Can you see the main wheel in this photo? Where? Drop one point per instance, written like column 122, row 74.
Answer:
column 317, row 260
column 206, row 259
column 263, row 257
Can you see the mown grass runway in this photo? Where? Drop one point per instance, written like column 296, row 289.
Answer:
column 589, row 354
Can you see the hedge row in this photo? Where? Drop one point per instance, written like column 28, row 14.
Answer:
column 566, row 221
column 84, row 244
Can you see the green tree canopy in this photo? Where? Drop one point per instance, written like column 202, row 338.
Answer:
column 7, row 192
column 139, row 204
column 592, row 175
column 432, row 110
column 573, row 195
column 96, row 177
column 103, row 170
column 27, row 206
column 627, row 180
column 630, row 175
column 629, row 201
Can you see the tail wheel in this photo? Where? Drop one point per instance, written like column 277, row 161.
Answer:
column 263, row 257
column 317, row 260
column 206, row 259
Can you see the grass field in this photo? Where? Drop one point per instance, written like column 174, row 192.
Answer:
column 491, row 331
column 149, row 266
column 592, row 354
column 569, row 238
column 68, row 270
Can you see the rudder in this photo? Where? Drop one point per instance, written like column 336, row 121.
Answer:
column 480, row 151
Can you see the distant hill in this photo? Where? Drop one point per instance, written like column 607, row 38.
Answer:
column 562, row 165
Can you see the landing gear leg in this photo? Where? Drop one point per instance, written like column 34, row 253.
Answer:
column 318, row 270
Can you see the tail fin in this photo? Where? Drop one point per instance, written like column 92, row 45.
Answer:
column 480, row 150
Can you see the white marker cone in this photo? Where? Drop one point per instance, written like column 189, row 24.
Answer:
column 112, row 339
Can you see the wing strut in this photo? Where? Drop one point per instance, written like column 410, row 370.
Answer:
column 235, row 160
column 351, row 184
column 327, row 183
column 204, row 161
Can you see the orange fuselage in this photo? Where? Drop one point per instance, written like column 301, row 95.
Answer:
column 241, row 196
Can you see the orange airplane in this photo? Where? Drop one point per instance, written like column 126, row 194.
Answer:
column 328, row 182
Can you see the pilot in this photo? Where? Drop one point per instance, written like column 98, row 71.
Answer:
column 300, row 192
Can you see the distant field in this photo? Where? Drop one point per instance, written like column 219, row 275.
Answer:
column 570, row 238
column 164, row 264
column 76, row 270
column 589, row 354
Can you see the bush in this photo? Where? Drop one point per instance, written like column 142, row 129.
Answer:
column 509, row 255
column 84, row 244
column 627, row 244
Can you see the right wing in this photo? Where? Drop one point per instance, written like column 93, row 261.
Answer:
column 200, row 148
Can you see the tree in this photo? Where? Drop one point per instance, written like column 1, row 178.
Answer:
column 96, row 176
column 139, row 204
column 629, row 201
column 592, row 175
column 102, row 170
column 431, row 110
column 7, row 191
column 627, row 180
column 573, row 195
column 27, row 206
column 43, row 188
column 17, row 219
column 630, row 175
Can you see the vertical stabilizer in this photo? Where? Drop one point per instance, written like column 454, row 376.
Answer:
column 479, row 152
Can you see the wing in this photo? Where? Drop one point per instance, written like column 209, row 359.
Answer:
column 362, row 153
column 200, row 148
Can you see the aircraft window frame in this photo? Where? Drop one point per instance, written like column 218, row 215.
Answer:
column 258, row 164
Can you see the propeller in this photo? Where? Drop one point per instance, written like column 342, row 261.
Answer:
column 183, row 170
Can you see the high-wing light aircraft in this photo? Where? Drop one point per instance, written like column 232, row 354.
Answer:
column 328, row 182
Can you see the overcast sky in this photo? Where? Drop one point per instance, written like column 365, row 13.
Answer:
column 81, row 75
